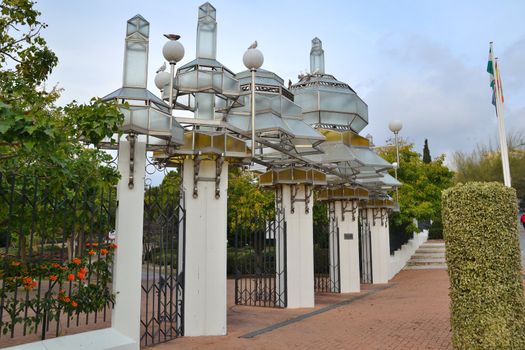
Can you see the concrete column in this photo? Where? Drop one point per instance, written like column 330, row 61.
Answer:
column 205, row 250
column 348, row 249
column 299, row 248
column 127, row 269
column 380, row 245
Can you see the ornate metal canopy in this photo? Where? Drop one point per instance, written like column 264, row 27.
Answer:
column 144, row 113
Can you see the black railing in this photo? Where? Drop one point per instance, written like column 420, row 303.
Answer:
column 257, row 258
column 162, row 266
column 55, row 257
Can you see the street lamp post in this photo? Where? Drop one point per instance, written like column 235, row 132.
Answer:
column 253, row 60
column 173, row 52
column 395, row 126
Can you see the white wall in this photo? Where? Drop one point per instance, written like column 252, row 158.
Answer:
column 401, row 256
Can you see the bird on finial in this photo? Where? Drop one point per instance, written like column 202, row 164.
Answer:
column 172, row 36
column 254, row 45
column 162, row 68
column 289, row 83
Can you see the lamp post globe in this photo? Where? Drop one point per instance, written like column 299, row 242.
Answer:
column 173, row 51
column 395, row 126
column 253, row 59
column 162, row 79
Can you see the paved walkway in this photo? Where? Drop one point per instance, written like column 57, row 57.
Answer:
column 411, row 312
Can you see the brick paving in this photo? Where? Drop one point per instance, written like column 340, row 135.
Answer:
column 411, row 312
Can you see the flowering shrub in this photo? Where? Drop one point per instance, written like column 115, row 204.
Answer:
column 77, row 286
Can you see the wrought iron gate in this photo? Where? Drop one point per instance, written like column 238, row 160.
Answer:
column 365, row 247
column 326, row 255
column 162, row 266
column 258, row 256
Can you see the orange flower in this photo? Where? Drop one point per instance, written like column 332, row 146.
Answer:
column 92, row 252
column 67, row 299
column 76, row 261
column 83, row 270
column 74, row 303
column 81, row 275
column 55, row 265
column 88, row 244
column 113, row 246
column 70, row 277
column 53, row 278
column 15, row 263
column 103, row 251
column 94, row 244
column 27, row 280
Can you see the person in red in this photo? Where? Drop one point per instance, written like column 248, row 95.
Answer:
column 522, row 219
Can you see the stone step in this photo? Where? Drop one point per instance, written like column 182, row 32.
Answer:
column 426, row 261
column 429, row 249
column 433, row 244
column 427, row 256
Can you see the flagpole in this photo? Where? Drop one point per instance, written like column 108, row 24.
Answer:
column 501, row 126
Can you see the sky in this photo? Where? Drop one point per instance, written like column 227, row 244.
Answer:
column 421, row 62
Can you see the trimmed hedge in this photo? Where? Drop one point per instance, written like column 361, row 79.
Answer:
column 436, row 230
column 484, row 266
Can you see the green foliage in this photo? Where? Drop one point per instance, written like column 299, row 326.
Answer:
column 484, row 266
column 246, row 199
column 426, row 153
column 36, row 136
column 436, row 230
column 420, row 194
column 484, row 164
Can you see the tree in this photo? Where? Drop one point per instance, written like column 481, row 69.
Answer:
column 484, row 164
column 426, row 153
column 36, row 136
column 38, row 139
column 422, row 184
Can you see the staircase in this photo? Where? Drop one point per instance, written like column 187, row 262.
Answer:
column 430, row 255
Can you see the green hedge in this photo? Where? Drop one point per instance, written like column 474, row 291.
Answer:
column 484, row 266
column 436, row 230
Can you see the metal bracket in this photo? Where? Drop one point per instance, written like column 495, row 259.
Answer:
column 307, row 196
column 131, row 179
column 196, row 168
column 379, row 213
column 218, row 170
column 353, row 208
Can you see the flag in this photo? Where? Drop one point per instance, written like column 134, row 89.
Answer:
column 490, row 70
column 495, row 79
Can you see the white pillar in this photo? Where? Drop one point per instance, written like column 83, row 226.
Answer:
column 348, row 248
column 127, row 269
column 299, row 249
column 205, row 251
column 380, row 245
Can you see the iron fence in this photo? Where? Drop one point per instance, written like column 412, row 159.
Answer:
column 365, row 248
column 55, row 257
column 162, row 265
column 258, row 258
column 326, row 254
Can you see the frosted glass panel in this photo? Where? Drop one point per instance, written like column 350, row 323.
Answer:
column 207, row 44
column 159, row 121
column 140, row 119
column 204, row 104
column 135, row 65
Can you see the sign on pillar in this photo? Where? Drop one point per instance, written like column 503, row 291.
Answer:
column 346, row 213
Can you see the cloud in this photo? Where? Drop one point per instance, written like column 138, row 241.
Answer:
column 436, row 95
